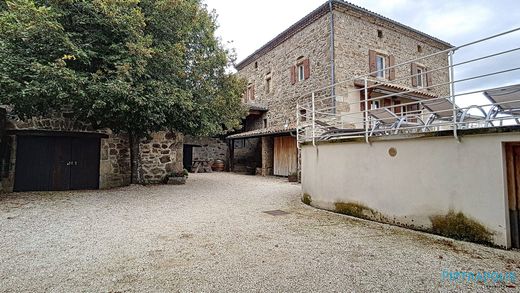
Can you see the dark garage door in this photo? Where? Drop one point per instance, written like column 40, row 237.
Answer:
column 45, row 163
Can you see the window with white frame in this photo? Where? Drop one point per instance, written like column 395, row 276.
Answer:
column 421, row 77
column 380, row 66
column 301, row 72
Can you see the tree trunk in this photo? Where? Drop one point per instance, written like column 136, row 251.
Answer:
column 134, row 159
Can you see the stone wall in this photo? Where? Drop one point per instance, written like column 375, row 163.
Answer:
column 247, row 155
column 114, row 168
column 312, row 42
column 211, row 148
column 160, row 154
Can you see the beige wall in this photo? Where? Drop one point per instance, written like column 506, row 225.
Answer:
column 428, row 176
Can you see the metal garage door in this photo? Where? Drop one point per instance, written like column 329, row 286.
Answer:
column 45, row 163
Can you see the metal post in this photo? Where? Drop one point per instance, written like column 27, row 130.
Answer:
column 452, row 94
column 313, row 122
column 366, row 111
column 298, row 125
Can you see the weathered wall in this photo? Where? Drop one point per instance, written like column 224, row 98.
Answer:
column 427, row 177
column 114, row 168
column 211, row 148
column 355, row 35
column 247, row 157
column 267, row 155
column 160, row 154
column 312, row 42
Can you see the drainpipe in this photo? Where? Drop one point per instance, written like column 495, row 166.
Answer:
column 332, row 62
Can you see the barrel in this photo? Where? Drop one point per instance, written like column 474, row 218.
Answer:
column 218, row 166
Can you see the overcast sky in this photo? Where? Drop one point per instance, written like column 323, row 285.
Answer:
column 249, row 24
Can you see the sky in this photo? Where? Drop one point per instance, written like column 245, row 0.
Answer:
column 246, row 25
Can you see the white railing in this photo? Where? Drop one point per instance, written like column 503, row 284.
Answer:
column 418, row 102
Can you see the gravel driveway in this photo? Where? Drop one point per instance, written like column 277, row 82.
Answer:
column 212, row 235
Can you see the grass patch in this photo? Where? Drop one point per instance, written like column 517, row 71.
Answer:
column 354, row 209
column 307, row 199
column 458, row 226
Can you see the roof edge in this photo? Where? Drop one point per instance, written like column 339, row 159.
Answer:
column 318, row 13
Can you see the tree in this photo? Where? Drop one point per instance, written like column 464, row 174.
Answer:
column 132, row 66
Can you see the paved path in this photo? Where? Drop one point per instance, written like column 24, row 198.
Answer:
column 212, row 235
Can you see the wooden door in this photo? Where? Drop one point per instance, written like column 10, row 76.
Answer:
column 285, row 155
column 53, row 163
column 84, row 163
column 513, row 191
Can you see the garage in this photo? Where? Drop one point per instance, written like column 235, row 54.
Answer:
column 57, row 162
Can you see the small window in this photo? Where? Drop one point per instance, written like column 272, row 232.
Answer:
column 301, row 72
column 240, row 143
column 375, row 104
column 250, row 94
column 380, row 66
column 265, row 123
column 256, row 65
column 379, row 33
column 420, row 77
column 303, row 115
column 419, row 48
column 268, row 83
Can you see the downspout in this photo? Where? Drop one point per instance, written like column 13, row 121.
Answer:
column 332, row 62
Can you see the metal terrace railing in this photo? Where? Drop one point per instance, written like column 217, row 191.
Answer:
column 431, row 93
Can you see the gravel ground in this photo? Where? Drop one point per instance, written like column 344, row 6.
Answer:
column 212, row 235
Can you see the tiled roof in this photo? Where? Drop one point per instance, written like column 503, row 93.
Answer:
column 264, row 132
column 417, row 93
column 315, row 15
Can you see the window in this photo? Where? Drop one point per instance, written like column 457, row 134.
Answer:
column 265, row 123
column 419, row 48
column 379, row 33
column 250, row 93
column 303, row 115
column 375, row 104
column 420, row 76
column 380, row 66
column 301, row 72
column 256, row 65
column 268, row 82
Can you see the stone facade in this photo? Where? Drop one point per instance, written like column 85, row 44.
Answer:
column 312, row 43
column 160, row 154
column 355, row 33
column 114, row 168
column 208, row 148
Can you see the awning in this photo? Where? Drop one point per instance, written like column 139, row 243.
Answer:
column 389, row 88
column 273, row 130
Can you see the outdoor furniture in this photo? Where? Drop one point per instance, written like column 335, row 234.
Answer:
column 388, row 120
column 202, row 165
column 442, row 109
column 506, row 101
column 333, row 131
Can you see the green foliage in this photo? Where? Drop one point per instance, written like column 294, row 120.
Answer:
column 307, row 199
column 134, row 66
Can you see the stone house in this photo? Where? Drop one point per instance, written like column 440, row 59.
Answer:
column 43, row 154
column 336, row 42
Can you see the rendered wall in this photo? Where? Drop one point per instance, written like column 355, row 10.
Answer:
column 427, row 177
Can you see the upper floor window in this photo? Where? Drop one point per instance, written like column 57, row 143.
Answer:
column 250, row 92
column 301, row 71
column 420, row 76
column 268, row 82
column 381, row 65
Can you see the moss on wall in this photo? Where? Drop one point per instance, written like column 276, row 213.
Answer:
column 306, row 199
column 355, row 210
column 458, row 226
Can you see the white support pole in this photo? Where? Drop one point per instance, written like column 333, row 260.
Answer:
column 366, row 111
column 313, row 121
column 452, row 94
column 298, row 125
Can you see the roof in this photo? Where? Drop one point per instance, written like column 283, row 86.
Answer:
column 315, row 15
column 273, row 130
column 257, row 108
column 395, row 88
